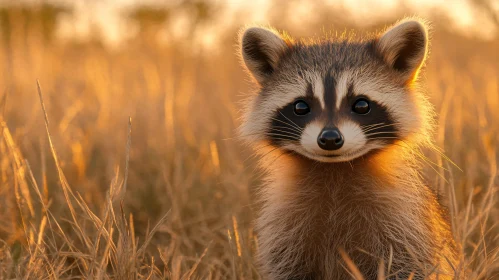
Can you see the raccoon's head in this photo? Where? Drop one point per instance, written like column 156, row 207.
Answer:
column 335, row 100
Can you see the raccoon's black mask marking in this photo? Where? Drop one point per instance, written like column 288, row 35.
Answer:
column 287, row 126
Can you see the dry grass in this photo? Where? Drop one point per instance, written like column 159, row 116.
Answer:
column 85, row 193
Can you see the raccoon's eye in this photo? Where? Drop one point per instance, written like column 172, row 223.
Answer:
column 361, row 106
column 301, row 108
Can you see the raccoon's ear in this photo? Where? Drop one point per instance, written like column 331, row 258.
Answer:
column 261, row 50
column 404, row 47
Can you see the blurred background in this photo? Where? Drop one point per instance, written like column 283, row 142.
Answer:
column 174, row 198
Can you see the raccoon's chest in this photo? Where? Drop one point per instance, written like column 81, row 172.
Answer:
column 316, row 229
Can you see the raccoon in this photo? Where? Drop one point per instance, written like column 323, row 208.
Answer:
column 338, row 124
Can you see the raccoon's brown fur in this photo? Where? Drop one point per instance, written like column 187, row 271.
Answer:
column 372, row 208
column 371, row 205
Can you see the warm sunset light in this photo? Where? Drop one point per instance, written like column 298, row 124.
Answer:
column 264, row 139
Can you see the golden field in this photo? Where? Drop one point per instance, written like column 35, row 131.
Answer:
column 131, row 167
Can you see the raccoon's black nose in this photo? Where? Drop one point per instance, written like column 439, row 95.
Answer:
column 330, row 139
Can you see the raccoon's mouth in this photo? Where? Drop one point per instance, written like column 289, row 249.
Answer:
column 331, row 156
column 335, row 158
column 348, row 156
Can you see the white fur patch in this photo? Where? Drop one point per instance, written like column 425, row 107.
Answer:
column 318, row 87
column 309, row 137
column 353, row 137
column 342, row 87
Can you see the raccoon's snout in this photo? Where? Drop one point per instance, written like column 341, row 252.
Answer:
column 330, row 139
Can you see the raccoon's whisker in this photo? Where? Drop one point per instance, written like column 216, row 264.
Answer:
column 288, row 124
column 374, row 127
column 359, row 133
column 285, row 136
column 292, row 134
column 283, row 139
column 378, row 124
column 288, row 136
column 297, row 126
column 289, row 128
column 380, row 132
column 378, row 127
column 371, row 125
column 384, row 138
column 286, row 131
column 376, row 138
column 371, row 128
column 363, row 129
